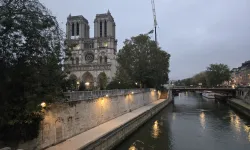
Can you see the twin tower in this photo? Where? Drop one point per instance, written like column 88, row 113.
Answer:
column 78, row 26
column 92, row 56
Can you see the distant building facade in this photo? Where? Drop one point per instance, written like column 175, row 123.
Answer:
column 91, row 56
column 241, row 75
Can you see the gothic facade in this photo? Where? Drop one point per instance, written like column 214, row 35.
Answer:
column 92, row 56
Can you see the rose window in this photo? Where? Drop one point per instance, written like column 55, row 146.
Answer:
column 89, row 57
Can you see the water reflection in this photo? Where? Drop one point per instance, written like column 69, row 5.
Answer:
column 203, row 120
column 185, row 124
column 235, row 122
column 247, row 130
column 156, row 130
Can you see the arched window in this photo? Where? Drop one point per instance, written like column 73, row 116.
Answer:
column 77, row 29
column 100, row 28
column 77, row 60
column 100, row 59
column 73, row 29
column 105, row 28
column 105, row 59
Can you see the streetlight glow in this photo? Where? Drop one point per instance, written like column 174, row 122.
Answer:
column 43, row 104
column 87, row 83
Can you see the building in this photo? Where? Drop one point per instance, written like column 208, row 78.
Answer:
column 241, row 76
column 92, row 57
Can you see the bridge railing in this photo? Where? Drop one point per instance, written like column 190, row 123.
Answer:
column 87, row 95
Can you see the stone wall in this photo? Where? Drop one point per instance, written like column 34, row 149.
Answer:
column 113, row 138
column 244, row 94
column 65, row 120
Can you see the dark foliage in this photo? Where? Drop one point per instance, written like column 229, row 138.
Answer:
column 31, row 52
column 143, row 63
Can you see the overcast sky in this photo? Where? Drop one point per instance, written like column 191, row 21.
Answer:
column 195, row 32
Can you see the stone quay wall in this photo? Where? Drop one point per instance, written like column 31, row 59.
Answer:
column 115, row 137
column 243, row 94
column 66, row 119
column 240, row 108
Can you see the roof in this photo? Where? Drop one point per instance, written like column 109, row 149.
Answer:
column 79, row 17
column 105, row 15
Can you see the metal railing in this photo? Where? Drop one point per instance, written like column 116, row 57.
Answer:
column 88, row 95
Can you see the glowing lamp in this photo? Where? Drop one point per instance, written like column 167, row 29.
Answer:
column 43, row 104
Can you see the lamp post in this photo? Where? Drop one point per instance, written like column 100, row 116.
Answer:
column 77, row 84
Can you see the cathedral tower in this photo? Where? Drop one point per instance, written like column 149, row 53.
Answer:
column 92, row 57
column 104, row 25
column 77, row 27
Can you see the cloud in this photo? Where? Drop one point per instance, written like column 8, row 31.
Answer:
column 195, row 32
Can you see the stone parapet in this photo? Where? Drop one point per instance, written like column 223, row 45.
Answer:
column 64, row 120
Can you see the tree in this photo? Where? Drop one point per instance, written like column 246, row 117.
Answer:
column 102, row 81
column 187, row 82
column 200, row 78
column 217, row 74
column 142, row 61
column 72, row 82
column 31, row 52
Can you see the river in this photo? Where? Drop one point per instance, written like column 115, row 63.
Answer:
column 192, row 123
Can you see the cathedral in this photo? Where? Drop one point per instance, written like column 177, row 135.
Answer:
column 92, row 57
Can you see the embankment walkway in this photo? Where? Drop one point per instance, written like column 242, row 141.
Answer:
column 83, row 139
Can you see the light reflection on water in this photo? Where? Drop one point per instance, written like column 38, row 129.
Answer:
column 237, row 124
column 247, row 130
column 155, row 130
column 203, row 120
column 178, row 126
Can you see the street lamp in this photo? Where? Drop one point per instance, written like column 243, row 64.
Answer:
column 87, row 85
column 43, row 104
column 77, row 85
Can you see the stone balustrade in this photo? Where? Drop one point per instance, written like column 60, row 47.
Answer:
column 88, row 95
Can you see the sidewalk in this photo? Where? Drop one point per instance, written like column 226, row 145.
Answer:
column 79, row 141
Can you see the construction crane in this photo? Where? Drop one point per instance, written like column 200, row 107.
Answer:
column 155, row 21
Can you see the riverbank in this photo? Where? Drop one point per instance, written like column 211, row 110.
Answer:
column 240, row 106
column 111, row 133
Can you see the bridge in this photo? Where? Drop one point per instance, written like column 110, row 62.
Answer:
column 175, row 90
column 201, row 89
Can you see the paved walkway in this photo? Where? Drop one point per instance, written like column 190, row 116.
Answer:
column 93, row 134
